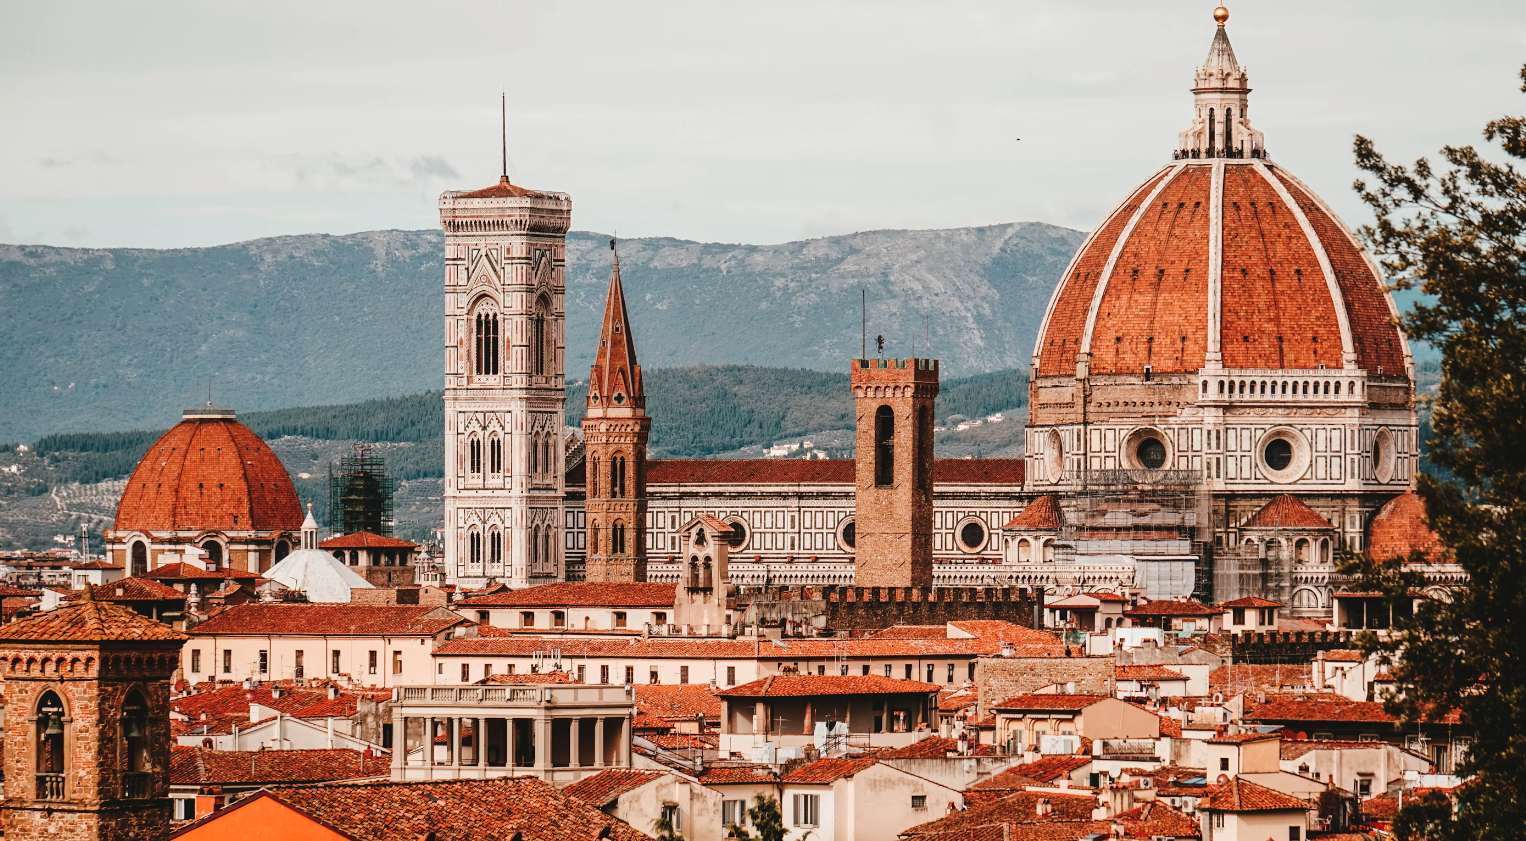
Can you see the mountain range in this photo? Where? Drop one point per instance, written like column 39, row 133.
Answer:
column 101, row 339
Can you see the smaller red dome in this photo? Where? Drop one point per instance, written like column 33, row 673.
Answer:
column 1399, row 528
column 209, row 472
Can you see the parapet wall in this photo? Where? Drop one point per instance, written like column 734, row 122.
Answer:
column 873, row 608
column 1281, row 646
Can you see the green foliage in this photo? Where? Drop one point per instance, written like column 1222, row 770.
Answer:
column 766, row 817
column 1460, row 235
column 662, row 830
column 417, row 418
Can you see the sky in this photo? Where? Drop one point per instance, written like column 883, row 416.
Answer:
column 160, row 125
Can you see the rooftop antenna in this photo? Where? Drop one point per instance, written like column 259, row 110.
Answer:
column 505, row 106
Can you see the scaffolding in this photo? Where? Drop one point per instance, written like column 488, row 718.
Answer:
column 360, row 494
column 1157, row 521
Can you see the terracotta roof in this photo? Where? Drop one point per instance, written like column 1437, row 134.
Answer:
column 1294, row 748
column 1345, row 655
column 200, row 766
column 1015, row 812
column 951, row 700
column 1252, row 601
column 1272, row 274
column 495, row 644
column 503, row 190
column 615, row 369
column 604, row 787
column 808, row 685
column 1257, row 677
column 1158, row 819
column 134, row 590
column 88, row 620
column 337, row 620
column 1042, row 514
column 365, row 540
column 456, row 810
column 1172, row 607
column 1242, row 738
column 1286, row 511
column 825, row 771
column 1045, row 770
column 218, row 702
column 1239, row 795
column 610, row 594
column 677, row 701
column 1046, row 701
column 1148, row 673
column 1399, row 527
column 526, row 678
column 934, row 747
column 209, row 473
column 95, row 565
column 1325, row 709
column 719, row 775
column 7, row 591
column 815, row 471
column 179, row 571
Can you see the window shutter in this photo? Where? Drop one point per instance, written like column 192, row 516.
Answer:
column 799, row 804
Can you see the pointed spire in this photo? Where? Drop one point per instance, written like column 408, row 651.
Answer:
column 1221, row 89
column 310, row 530
column 615, row 380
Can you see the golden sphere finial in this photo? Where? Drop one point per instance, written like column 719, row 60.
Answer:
column 1221, row 14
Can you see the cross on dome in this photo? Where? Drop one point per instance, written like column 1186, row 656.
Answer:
column 1221, row 89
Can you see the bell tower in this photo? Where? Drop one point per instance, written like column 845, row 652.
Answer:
column 615, row 428
column 505, row 395
column 87, row 724
column 893, row 497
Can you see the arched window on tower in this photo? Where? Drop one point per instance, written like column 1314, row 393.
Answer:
column 534, row 455
column 474, row 456
column 486, row 343
column 532, row 549
column 707, row 580
column 474, row 547
column 495, row 455
column 547, row 550
column 1229, row 129
column 884, row 446
column 693, row 580
column 139, row 558
column 593, row 538
column 136, row 763
column 51, row 715
column 617, row 476
column 282, row 550
column 593, row 478
column 540, row 337
column 617, row 538
column 494, row 546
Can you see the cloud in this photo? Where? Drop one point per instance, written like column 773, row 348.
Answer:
column 333, row 171
column 96, row 157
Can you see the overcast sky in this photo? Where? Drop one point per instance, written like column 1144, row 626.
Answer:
column 175, row 124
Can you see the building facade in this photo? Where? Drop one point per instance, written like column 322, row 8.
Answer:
column 505, row 258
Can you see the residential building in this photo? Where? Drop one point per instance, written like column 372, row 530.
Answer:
column 640, row 798
column 1240, row 810
column 203, row 781
column 786, row 711
column 1024, row 722
column 575, row 606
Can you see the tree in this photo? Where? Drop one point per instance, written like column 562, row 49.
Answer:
column 766, row 818
column 663, row 829
column 1459, row 234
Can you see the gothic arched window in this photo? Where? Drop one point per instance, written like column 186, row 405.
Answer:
column 135, row 760
column 593, row 538
column 1210, row 132
column 884, row 446
column 924, row 436
column 706, row 581
column 593, row 478
column 539, row 337
column 495, row 455
column 139, row 558
column 617, row 476
column 534, row 454
column 474, row 456
column 486, row 343
column 495, row 546
column 474, row 544
column 617, row 538
column 1229, row 128
column 50, row 746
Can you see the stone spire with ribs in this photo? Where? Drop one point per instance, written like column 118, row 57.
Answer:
column 1221, row 90
column 615, row 380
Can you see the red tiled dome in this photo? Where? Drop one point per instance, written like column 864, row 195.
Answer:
column 1233, row 256
column 209, row 472
column 1399, row 527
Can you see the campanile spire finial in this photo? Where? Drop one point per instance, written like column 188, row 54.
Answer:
column 1221, row 15
column 1220, row 126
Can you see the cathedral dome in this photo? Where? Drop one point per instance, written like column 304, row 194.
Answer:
column 1399, row 528
column 209, row 472
column 1221, row 259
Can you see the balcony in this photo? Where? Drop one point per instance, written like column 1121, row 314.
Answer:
column 50, row 786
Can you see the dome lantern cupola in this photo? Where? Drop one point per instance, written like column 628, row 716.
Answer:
column 1221, row 93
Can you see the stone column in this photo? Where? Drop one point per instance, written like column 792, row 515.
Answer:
column 625, row 742
column 598, row 742
column 760, row 718
column 399, row 743
column 575, row 736
column 430, row 733
column 543, row 742
column 479, row 743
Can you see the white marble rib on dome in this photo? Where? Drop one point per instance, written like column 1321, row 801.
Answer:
column 318, row 574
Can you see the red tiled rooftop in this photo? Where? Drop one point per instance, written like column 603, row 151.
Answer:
column 1252, row 601
column 179, row 571
column 1042, row 514
column 824, row 771
column 808, row 685
column 365, row 540
column 1324, row 709
column 934, row 747
column 1286, row 511
column 135, row 590
column 1172, row 607
column 1399, row 528
column 201, row 766
column 88, row 620
column 1148, row 673
column 1045, row 770
column 339, row 620
column 602, row 788
column 209, row 473
column 1044, row 701
column 503, row 190
column 677, row 701
column 1240, row 795
column 1242, row 738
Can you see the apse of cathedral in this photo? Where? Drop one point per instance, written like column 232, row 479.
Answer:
column 1219, row 400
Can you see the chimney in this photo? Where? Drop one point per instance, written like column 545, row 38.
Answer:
column 1043, row 807
column 333, row 692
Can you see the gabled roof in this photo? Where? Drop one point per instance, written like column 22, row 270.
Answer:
column 455, row 810
column 1153, row 672
column 365, row 540
column 592, row 594
column 503, row 190
column 335, row 620
column 1324, row 709
column 1252, row 601
column 179, row 571
column 1042, row 514
column 933, row 747
column 136, row 590
column 777, row 686
column 1037, row 701
column 825, row 771
column 1172, row 607
column 604, row 787
column 1045, row 770
column 88, row 620
column 677, row 701
column 201, row 766
column 1286, row 511
column 1158, row 819
column 1239, row 795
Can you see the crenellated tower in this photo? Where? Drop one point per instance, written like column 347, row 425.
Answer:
column 615, row 429
column 505, row 395
column 893, row 497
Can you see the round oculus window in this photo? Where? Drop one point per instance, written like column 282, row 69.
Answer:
column 1151, row 453
column 1278, row 453
column 738, row 535
column 972, row 535
column 847, row 535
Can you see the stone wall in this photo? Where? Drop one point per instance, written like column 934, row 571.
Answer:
column 1000, row 678
column 1281, row 646
column 873, row 608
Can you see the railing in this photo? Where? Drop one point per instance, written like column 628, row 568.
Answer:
column 50, row 786
column 137, row 785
